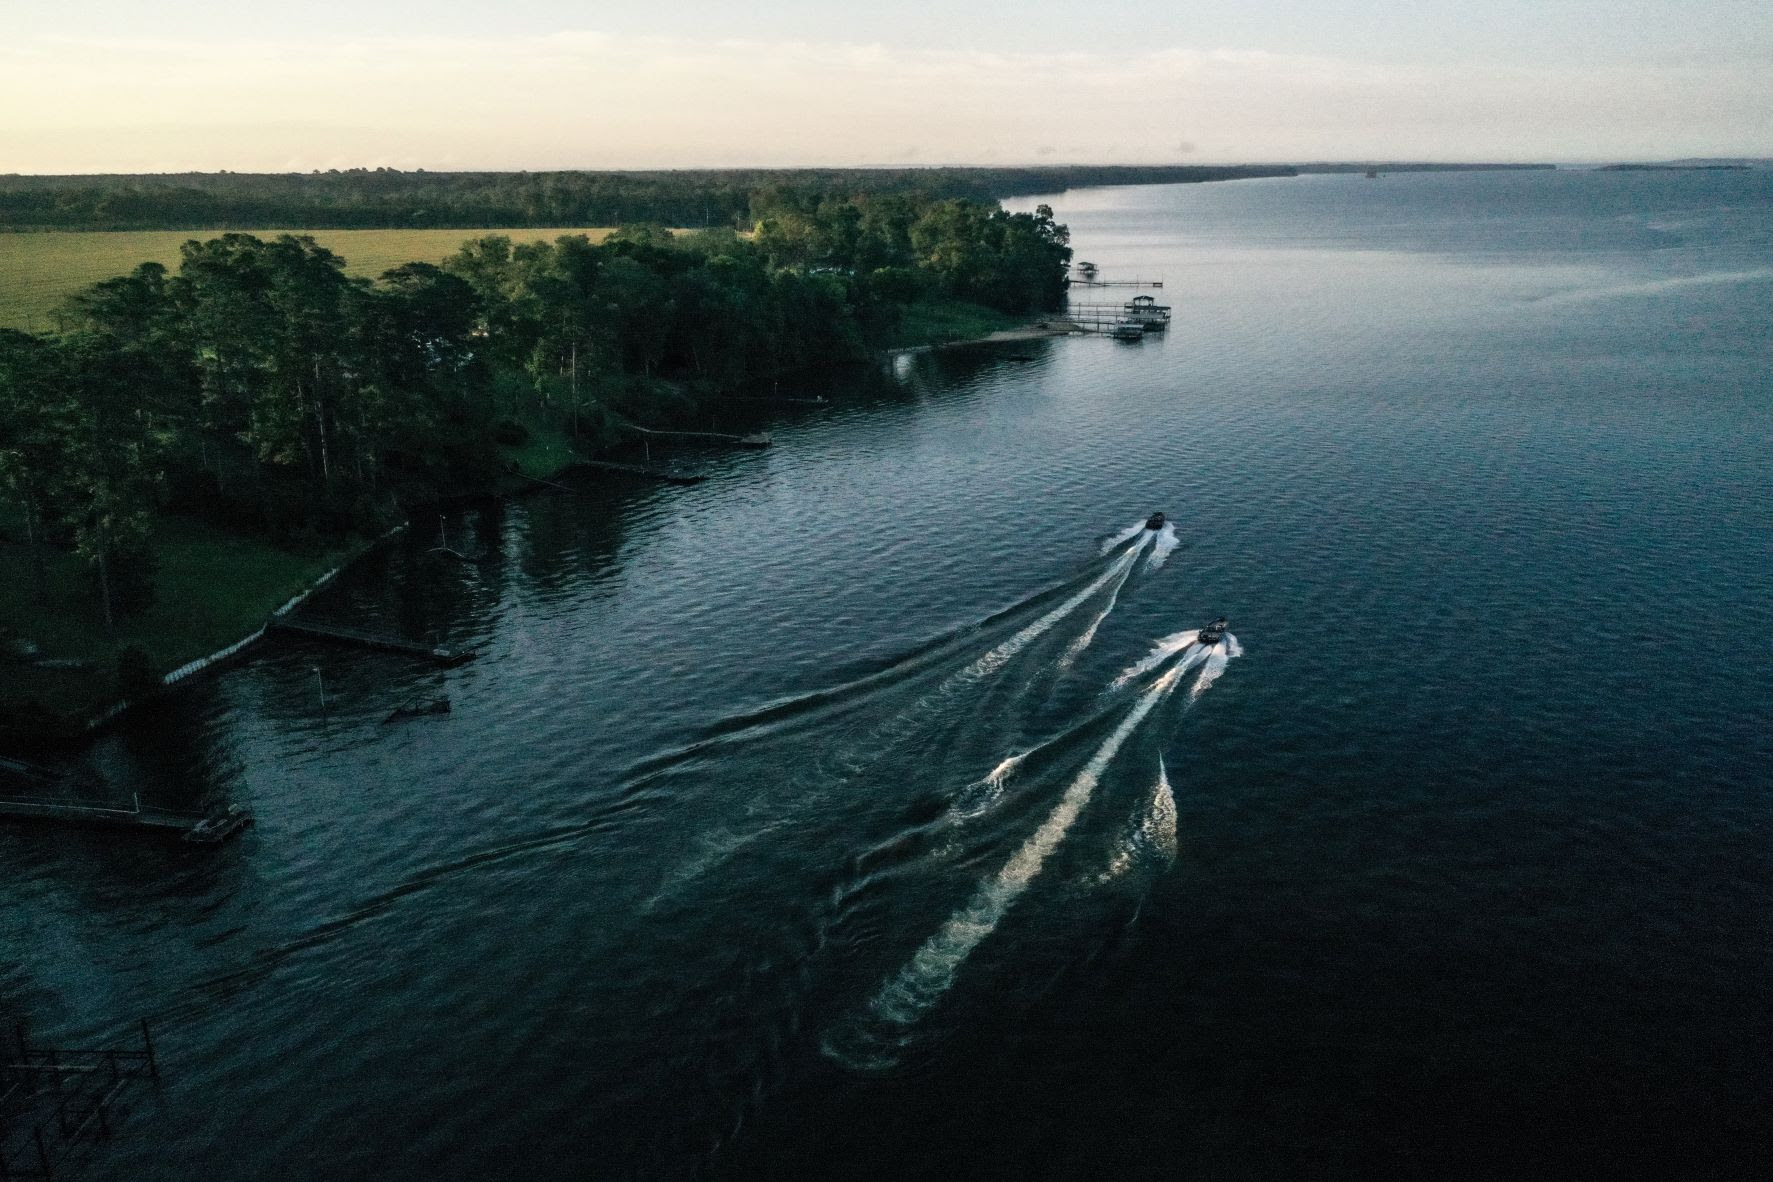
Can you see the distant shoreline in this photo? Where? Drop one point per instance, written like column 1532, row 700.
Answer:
column 388, row 199
column 1674, row 168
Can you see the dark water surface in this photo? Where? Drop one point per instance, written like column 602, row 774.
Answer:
column 1472, row 866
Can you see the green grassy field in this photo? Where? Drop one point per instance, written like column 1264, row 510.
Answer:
column 932, row 322
column 194, row 612
column 39, row 271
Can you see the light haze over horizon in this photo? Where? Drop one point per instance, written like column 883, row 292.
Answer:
column 120, row 86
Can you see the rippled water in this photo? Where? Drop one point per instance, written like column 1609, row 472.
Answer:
column 1463, row 865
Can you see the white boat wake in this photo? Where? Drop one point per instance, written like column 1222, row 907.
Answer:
column 1152, row 835
column 1116, row 573
column 904, row 998
column 1164, row 546
column 1082, row 642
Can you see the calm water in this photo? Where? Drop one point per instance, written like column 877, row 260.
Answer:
column 1467, row 867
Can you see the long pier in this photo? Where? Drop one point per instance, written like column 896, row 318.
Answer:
column 1117, row 283
column 668, row 475
column 754, row 440
column 27, row 808
column 447, row 657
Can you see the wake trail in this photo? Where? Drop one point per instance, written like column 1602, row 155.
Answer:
column 1153, row 833
column 1163, row 546
column 795, row 710
column 981, row 795
column 1160, row 652
column 1116, row 573
column 937, row 699
column 1216, row 661
column 907, row 996
column 1126, row 535
column 1089, row 634
column 262, row 962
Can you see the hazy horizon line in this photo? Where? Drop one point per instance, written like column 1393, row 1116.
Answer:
column 1574, row 163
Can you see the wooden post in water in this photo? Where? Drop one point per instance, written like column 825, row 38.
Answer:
column 148, row 1045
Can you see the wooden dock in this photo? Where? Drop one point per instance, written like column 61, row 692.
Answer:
column 1150, row 317
column 56, row 1102
column 1094, row 325
column 72, row 812
column 757, row 440
column 333, row 633
column 1117, row 283
column 668, row 475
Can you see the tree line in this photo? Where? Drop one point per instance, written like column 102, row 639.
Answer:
column 262, row 387
column 388, row 198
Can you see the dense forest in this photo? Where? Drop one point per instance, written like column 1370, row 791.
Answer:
column 382, row 197
column 261, row 388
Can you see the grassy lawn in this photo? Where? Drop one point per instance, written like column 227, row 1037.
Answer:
column 547, row 451
column 933, row 322
column 212, row 588
column 40, row 270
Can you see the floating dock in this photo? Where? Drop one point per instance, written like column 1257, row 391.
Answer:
column 447, row 657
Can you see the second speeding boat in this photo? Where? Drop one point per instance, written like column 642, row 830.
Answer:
column 1155, row 521
column 1211, row 634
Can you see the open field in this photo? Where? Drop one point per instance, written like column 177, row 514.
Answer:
column 38, row 271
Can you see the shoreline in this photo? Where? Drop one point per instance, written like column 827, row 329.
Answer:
column 74, row 729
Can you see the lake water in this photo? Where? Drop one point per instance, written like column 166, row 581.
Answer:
column 1463, row 866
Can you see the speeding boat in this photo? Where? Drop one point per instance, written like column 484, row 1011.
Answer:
column 1212, row 632
column 1155, row 521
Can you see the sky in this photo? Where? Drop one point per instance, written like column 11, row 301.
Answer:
column 174, row 85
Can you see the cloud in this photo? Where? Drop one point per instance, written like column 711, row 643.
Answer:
column 590, row 99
